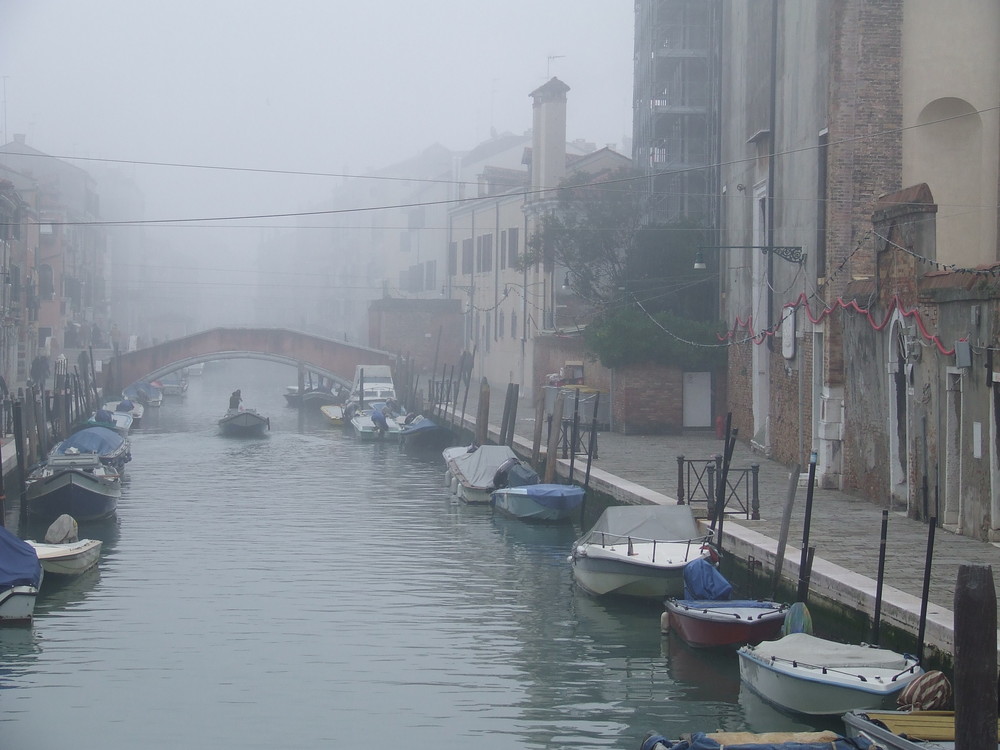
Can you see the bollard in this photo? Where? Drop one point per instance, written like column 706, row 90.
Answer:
column 754, row 492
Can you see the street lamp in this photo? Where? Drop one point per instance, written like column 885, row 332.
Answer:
column 791, row 253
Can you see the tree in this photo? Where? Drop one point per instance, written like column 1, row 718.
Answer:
column 632, row 273
column 591, row 233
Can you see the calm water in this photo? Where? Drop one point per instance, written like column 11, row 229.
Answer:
column 307, row 590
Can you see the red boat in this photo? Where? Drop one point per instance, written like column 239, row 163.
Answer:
column 712, row 624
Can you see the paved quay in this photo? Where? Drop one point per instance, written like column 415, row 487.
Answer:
column 845, row 529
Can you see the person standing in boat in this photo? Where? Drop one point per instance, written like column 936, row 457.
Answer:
column 379, row 419
column 235, row 399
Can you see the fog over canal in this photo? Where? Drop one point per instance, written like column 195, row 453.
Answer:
column 308, row 590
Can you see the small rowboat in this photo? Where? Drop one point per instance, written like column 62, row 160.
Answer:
column 713, row 624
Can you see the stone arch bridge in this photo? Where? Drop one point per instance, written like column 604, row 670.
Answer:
column 332, row 359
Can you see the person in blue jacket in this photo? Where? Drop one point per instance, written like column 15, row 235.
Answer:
column 379, row 419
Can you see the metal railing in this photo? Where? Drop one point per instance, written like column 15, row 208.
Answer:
column 697, row 480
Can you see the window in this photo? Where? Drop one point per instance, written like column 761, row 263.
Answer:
column 452, row 258
column 487, row 252
column 502, row 250
column 500, row 325
column 512, row 248
column 513, row 325
column 430, row 274
column 467, row 256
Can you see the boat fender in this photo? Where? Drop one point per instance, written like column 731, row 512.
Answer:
column 665, row 622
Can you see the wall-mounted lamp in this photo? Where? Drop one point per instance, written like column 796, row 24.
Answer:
column 566, row 286
column 791, row 253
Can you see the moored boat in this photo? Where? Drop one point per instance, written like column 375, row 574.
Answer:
column 375, row 422
column 334, row 414
column 120, row 421
column 639, row 550
column 551, row 503
column 63, row 552
column 804, row 740
column 707, row 618
column 128, row 406
column 472, row 471
column 423, row 434
column 810, row 675
column 78, row 484
column 904, row 730
column 244, row 423
column 20, row 578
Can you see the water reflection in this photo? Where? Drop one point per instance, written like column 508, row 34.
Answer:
column 310, row 590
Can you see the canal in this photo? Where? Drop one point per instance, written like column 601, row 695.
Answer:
column 307, row 590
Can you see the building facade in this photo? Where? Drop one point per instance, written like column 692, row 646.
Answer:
column 859, row 188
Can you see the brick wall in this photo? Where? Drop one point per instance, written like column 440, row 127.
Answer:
column 413, row 327
column 865, row 157
column 648, row 399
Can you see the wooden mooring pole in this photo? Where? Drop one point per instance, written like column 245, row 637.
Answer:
column 975, row 658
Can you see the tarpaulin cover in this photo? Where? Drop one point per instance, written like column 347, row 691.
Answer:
column 664, row 523
column 555, row 496
column 125, row 405
column 703, row 581
column 103, row 441
column 477, row 469
column 819, row 652
column 103, row 415
column 702, row 741
column 19, row 564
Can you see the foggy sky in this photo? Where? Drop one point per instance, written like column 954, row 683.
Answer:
column 306, row 85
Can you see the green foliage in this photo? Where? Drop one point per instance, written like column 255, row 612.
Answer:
column 626, row 336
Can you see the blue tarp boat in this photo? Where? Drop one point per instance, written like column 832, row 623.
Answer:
column 20, row 577
column 540, row 502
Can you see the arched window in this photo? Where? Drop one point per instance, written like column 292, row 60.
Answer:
column 513, row 325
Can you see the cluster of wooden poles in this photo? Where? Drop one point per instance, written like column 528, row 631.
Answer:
column 39, row 418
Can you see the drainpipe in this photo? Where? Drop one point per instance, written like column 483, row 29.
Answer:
column 770, row 169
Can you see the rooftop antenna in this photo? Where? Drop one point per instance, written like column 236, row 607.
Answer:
column 548, row 67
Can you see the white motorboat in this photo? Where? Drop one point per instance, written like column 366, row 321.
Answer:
column 20, row 578
column 120, row 421
column 368, row 427
column 640, row 551
column 128, row 406
column 68, row 558
column 818, row 677
column 62, row 552
column 472, row 471
column 552, row 503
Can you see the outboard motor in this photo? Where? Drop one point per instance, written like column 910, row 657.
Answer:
column 513, row 473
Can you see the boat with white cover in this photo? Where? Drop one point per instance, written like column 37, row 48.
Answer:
column 472, row 471
column 640, row 551
column 815, row 676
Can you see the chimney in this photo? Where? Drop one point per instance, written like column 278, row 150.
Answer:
column 548, row 135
